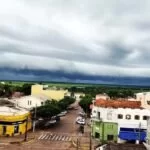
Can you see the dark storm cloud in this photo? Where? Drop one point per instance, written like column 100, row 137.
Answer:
column 88, row 38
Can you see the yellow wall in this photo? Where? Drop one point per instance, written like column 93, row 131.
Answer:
column 10, row 127
column 50, row 93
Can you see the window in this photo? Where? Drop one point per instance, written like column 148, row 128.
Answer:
column 128, row 117
column 94, row 111
column 137, row 117
column 145, row 117
column 110, row 137
column 120, row 116
column 42, row 103
column 148, row 102
column 99, row 114
column 110, row 126
column 28, row 102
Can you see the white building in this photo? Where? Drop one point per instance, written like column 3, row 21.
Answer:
column 144, row 97
column 102, row 96
column 30, row 102
column 126, row 118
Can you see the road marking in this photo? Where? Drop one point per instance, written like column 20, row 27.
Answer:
column 54, row 137
column 57, row 137
column 60, row 137
column 40, row 136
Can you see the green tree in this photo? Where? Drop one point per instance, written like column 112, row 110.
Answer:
column 85, row 103
column 26, row 89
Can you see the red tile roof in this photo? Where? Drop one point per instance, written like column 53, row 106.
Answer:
column 117, row 103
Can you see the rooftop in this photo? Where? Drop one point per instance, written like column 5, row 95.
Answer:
column 9, row 111
column 117, row 104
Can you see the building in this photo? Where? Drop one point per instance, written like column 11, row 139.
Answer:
column 51, row 93
column 102, row 96
column 13, row 121
column 144, row 97
column 119, row 121
column 30, row 102
column 76, row 95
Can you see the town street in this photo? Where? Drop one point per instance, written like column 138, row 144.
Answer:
column 59, row 136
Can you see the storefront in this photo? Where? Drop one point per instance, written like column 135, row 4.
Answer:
column 14, row 121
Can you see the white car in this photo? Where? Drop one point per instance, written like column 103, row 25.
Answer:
column 80, row 120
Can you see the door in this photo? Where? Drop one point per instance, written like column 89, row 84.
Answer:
column 16, row 129
column 4, row 130
column 97, row 135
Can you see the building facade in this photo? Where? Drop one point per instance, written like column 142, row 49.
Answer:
column 29, row 102
column 144, row 98
column 119, row 121
column 14, row 121
column 56, row 94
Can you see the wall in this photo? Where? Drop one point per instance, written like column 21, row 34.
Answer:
column 144, row 97
column 24, row 102
column 105, row 129
column 50, row 93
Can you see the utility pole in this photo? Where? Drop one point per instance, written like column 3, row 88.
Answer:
column 77, row 144
column 34, row 120
column 90, row 142
column 26, row 129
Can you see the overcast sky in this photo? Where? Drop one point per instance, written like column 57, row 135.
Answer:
column 88, row 37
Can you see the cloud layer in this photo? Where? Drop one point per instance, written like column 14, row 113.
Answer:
column 91, row 38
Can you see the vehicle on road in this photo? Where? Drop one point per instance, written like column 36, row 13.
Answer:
column 80, row 120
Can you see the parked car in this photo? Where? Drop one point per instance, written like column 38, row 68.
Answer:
column 48, row 123
column 63, row 113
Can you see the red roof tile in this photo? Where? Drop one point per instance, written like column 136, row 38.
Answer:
column 117, row 103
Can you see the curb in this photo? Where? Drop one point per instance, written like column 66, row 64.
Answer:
column 19, row 142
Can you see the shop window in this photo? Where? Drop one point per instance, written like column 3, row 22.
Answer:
column 145, row 117
column 128, row 117
column 137, row 117
column 110, row 137
column 120, row 116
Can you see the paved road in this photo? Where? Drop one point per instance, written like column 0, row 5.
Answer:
column 57, row 137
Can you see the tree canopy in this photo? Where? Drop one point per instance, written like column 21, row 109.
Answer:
column 85, row 103
column 53, row 107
